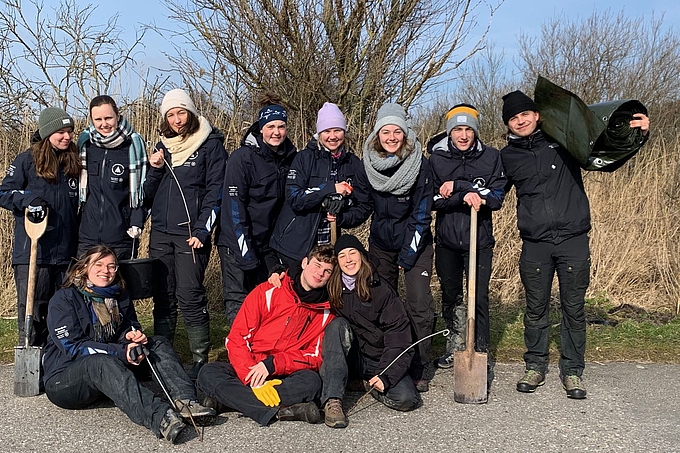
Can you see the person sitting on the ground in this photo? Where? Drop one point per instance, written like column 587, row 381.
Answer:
column 93, row 350
column 274, row 348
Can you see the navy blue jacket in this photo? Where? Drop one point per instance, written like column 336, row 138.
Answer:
column 71, row 332
column 552, row 205
column 480, row 170
column 106, row 215
column 309, row 181
column 22, row 185
column 402, row 222
column 201, row 178
column 253, row 194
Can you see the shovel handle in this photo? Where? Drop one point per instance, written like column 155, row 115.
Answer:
column 34, row 231
column 472, row 282
column 334, row 233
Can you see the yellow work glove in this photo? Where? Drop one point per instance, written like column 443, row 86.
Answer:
column 267, row 393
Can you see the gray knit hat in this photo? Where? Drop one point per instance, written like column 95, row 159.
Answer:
column 462, row 115
column 391, row 114
column 178, row 98
column 51, row 120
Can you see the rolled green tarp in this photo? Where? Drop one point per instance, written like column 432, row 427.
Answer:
column 599, row 136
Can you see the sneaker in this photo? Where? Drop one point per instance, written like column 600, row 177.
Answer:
column 304, row 412
column 422, row 385
column 530, row 381
column 334, row 416
column 171, row 426
column 445, row 361
column 573, row 384
column 199, row 412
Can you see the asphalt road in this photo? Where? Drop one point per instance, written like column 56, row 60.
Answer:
column 630, row 408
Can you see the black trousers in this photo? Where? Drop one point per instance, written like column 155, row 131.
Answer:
column 451, row 265
column 342, row 359
column 93, row 377
column 418, row 302
column 178, row 279
column 49, row 279
column 538, row 263
column 219, row 380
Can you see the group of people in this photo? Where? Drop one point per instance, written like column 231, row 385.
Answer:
column 308, row 307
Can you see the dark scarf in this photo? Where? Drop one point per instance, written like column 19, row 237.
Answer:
column 104, row 311
column 313, row 296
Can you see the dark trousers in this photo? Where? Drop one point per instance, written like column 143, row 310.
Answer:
column 537, row 266
column 49, row 279
column 122, row 253
column 92, row 377
column 451, row 264
column 237, row 283
column 418, row 302
column 178, row 279
column 342, row 359
column 219, row 380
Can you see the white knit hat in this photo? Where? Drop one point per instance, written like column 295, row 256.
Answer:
column 177, row 98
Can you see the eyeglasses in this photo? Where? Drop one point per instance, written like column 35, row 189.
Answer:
column 113, row 268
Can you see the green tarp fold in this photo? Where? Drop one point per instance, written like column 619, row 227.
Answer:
column 599, row 136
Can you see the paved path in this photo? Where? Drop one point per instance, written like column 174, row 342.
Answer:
column 630, row 408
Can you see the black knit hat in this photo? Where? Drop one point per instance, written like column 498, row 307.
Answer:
column 348, row 241
column 516, row 102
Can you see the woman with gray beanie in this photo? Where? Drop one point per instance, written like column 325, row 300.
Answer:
column 400, row 236
column 184, row 188
column 43, row 182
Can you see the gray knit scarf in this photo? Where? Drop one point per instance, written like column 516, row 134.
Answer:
column 405, row 176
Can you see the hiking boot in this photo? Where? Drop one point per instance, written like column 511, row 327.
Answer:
column 334, row 417
column 530, row 381
column 422, row 385
column 303, row 412
column 573, row 384
column 171, row 426
column 200, row 413
column 445, row 361
column 212, row 403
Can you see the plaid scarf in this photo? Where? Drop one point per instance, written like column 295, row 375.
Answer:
column 104, row 311
column 137, row 154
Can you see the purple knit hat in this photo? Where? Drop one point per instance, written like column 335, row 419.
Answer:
column 330, row 117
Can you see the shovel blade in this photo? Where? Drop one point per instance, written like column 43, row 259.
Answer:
column 469, row 374
column 26, row 371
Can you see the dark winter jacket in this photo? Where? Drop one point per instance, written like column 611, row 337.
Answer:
column 402, row 222
column 382, row 328
column 552, row 205
column 201, row 178
column 480, row 170
column 309, row 181
column 22, row 185
column 107, row 215
column 253, row 194
column 71, row 331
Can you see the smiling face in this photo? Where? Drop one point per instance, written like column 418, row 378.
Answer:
column 104, row 119
column 332, row 138
column 274, row 133
column 177, row 118
column 315, row 273
column 349, row 260
column 61, row 139
column 101, row 270
column 391, row 138
column 524, row 123
column 462, row 137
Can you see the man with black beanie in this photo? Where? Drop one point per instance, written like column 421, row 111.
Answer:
column 553, row 217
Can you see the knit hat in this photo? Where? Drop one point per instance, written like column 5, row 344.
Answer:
column 51, row 120
column 348, row 241
column 330, row 117
column 391, row 114
column 271, row 113
column 516, row 102
column 462, row 115
column 177, row 98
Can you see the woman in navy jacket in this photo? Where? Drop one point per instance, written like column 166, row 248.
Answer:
column 184, row 185
column 44, row 179
column 400, row 237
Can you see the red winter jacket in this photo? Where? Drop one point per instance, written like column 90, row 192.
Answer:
column 275, row 322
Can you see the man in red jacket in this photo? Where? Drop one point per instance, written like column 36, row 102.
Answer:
column 274, row 348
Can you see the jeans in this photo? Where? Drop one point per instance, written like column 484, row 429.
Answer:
column 92, row 377
column 341, row 356
column 219, row 380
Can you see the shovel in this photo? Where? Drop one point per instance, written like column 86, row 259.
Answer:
column 26, row 357
column 469, row 366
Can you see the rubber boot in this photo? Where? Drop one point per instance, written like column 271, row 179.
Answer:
column 165, row 327
column 199, row 345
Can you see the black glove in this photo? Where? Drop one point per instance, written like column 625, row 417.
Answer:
column 333, row 203
column 136, row 352
column 37, row 210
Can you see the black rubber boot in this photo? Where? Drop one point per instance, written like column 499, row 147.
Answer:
column 165, row 327
column 199, row 345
